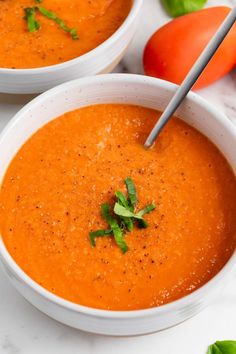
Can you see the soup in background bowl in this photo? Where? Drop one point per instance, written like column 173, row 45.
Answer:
column 54, row 187
column 93, row 22
column 50, row 42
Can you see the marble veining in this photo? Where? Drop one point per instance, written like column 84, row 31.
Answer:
column 25, row 330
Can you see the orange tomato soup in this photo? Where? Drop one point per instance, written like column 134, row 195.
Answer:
column 53, row 190
column 94, row 20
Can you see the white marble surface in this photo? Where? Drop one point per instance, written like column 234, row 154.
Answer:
column 25, row 330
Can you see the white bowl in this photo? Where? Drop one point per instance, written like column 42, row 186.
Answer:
column 114, row 88
column 100, row 60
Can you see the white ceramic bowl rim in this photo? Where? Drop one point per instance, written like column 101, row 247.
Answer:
column 174, row 305
column 108, row 42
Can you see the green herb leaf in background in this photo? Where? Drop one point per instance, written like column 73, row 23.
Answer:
column 32, row 23
column 223, row 347
column 52, row 16
column 177, row 8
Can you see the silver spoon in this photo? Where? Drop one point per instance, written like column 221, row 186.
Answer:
column 192, row 76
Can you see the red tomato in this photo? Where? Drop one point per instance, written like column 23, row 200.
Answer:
column 173, row 49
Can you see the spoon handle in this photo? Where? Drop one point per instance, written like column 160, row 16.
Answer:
column 192, row 76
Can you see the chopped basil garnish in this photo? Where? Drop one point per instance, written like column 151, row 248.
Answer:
column 143, row 224
column 32, row 23
column 52, row 16
column 73, row 32
column 124, row 217
column 122, row 211
column 131, row 191
column 122, row 200
column 128, row 223
column 146, row 210
column 118, row 235
column 98, row 233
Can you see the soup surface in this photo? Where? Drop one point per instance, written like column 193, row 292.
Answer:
column 94, row 20
column 53, row 190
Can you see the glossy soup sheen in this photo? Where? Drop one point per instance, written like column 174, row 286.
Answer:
column 95, row 21
column 52, row 192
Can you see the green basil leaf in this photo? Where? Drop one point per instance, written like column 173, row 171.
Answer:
column 98, row 233
column 128, row 223
column 122, row 211
column 146, row 210
column 122, row 199
column 32, row 23
column 118, row 235
column 177, row 8
column 52, row 16
column 223, row 347
column 73, row 32
column 131, row 192
column 47, row 13
column 105, row 209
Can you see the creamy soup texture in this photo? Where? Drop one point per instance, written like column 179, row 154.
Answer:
column 53, row 190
